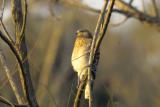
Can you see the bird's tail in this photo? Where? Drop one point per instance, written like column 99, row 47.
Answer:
column 87, row 90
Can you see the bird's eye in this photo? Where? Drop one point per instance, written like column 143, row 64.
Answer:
column 77, row 32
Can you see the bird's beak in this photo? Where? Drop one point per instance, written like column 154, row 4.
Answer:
column 77, row 31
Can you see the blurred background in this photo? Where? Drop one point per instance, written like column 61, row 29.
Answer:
column 128, row 71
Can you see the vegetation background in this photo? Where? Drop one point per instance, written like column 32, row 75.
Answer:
column 129, row 68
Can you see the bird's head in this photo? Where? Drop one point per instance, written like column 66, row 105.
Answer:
column 84, row 33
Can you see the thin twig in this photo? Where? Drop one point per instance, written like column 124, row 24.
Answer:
column 29, row 93
column 19, row 18
column 124, row 9
column 92, row 53
column 124, row 20
column 5, row 30
column 10, row 78
column 4, row 81
column 104, row 25
column 80, row 91
column 5, row 101
column 24, row 21
column 96, row 43
column 131, row 11
column 1, row 21
column 100, row 24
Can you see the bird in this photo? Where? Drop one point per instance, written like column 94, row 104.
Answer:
column 80, row 58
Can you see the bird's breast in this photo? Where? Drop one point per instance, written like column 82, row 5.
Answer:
column 80, row 55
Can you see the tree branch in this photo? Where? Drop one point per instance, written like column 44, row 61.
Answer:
column 100, row 30
column 19, row 18
column 131, row 11
column 98, row 36
column 123, row 8
column 10, row 78
column 2, row 24
column 27, row 81
column 5, row 101
column 80, row 90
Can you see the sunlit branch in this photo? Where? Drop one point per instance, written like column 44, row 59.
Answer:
column 10, row 77
column 124, row 20
column 26, row 77
column 100, row 30
column 122, row 8
column 19, row 18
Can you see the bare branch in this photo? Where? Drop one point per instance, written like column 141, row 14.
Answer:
column 125, row 19
column 2, row 24
column 92, row 53
column 104, row 26
column 98, row 36
column 20, row 22
column 100, row 30
column 5, row 101
column 123, row 8
column 10, row 78
column 19, row 18
column 130, row 11
column 5, row 30
column 24, row 21
column 27, row 81
column 4, row 81
column 80, row 91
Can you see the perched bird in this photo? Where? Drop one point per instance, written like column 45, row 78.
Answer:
column 80, row 58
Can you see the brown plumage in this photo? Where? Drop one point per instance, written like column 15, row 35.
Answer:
column 80, row 57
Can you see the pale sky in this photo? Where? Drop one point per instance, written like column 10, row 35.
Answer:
column 99, row 3
column 92, row 3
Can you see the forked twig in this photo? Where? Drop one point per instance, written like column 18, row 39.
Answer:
column 19, row 18
column 125, row 19
column 10, row 78
column 123, row 8
column 30, row 96
column 2, row 24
